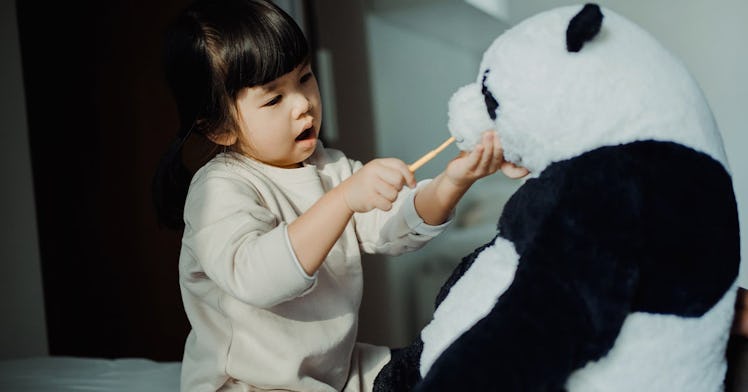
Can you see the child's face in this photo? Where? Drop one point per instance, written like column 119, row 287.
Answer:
column 280, row 120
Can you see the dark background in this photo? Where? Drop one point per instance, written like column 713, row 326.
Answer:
column 99, row 116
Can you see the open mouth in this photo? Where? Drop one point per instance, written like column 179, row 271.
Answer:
column 307, row 134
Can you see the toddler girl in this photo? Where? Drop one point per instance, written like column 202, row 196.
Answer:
column 274, row 222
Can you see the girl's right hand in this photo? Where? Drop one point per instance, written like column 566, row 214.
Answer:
column 376, row 185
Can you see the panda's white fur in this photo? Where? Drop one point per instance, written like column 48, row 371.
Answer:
column 623, row 86
column 637, row 362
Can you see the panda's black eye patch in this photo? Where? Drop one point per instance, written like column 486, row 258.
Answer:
column 491, row 103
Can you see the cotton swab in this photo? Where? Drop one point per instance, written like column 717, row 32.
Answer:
column 431, row 154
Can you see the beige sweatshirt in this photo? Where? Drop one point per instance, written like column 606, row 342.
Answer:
column 259, row 322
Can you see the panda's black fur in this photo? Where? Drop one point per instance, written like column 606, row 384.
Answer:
column 648, row 245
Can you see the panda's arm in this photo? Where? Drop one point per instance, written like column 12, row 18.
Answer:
column 458, row 271
column 572, row 290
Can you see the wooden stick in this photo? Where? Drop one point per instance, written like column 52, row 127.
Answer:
column 421, row 161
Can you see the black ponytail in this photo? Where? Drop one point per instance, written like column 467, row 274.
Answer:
column 170, row 185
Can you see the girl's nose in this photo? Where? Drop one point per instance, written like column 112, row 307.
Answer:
column 302, row 106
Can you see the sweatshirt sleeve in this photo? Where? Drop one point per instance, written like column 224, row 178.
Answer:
column 398, row 230
column 239, row 244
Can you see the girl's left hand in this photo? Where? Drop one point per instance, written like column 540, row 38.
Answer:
column 437, row 199
column 485, row 159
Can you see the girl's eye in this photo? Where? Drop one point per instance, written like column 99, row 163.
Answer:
column 306, row 77
column 273, row 101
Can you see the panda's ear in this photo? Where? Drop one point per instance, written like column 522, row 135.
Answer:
column 583, row 27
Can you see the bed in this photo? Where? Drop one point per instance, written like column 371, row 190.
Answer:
column 69, row 374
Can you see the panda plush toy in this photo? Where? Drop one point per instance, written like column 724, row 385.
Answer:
column 615, row 263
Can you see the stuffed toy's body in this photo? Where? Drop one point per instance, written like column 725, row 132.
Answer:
column 614, row 266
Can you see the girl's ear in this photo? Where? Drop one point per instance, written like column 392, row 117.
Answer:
column 222, row 138
column 513, row 171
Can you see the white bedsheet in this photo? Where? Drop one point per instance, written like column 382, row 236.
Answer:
column 68, row 374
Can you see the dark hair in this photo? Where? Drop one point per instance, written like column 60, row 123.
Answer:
column 214, row 49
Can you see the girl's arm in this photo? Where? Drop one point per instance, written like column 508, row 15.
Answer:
column 376, row 185
column 314, row 232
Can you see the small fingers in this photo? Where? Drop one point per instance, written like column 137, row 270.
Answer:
column 392, row 177
column 513, row 171
column 487, row 155
column 386, row 190
column 473, row 158
column 498, row 153
column 403, row 173
column 382, row 203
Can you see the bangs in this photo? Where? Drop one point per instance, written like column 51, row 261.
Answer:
column 269, row 46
